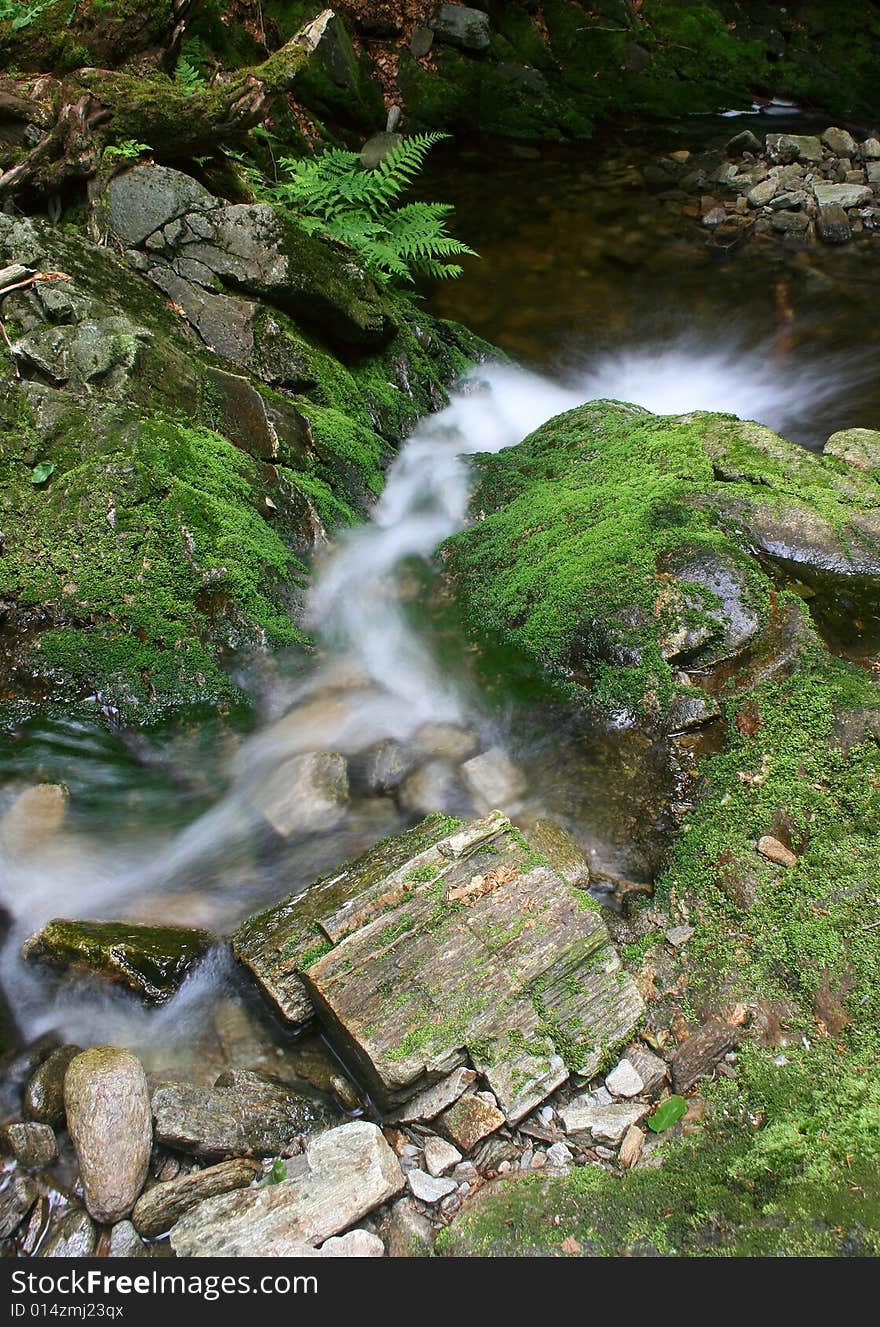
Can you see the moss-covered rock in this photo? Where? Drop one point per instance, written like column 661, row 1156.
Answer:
column 615, row 547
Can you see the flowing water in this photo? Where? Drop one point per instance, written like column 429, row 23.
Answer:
column 177, row 827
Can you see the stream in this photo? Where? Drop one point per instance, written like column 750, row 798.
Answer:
column 581, row 282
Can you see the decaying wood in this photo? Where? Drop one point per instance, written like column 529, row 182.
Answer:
column 701, row 1051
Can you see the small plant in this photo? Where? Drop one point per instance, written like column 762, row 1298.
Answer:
column 21, row 16
column 189, row 70
column 127, row 150
column 277, row 1173
column 669, row 1112
column 42, row 471
column 332, row 194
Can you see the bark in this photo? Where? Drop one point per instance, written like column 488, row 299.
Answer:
column 91, row 109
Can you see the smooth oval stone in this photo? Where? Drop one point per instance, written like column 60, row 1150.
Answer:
column 108, row 1118
column 44, row 1095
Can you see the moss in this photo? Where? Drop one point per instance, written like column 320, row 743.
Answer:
column 580, row 523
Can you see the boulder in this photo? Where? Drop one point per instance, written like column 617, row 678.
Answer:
column 152, row 961
column 463, row 932
column 845, row 195
column 787, row 148
column 307, row 794
column 859, row 448
column 493, row 781
column 108, row 1119
column 244, row 1113
column 556, row 846
column 840, row 142
column 345, row 1174
column 161, row 1206
column 458, row 25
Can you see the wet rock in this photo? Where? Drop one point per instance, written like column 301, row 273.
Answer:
column 715, row 592
column 428, row 1104
column 436, row 947
column 445, row 741
column 700, row 1052
column 73, row 1236
column 408, row 1234
column 845, row 195
column 244, row 1113
column 859, row 448
column 631, row 1147
column 440, row 1156
column 345, row 1173
column 17, row 1197
column 306, row 795
column 790, row 223
column 762, row 193
column 37, row 814
column 840, row 142
column 32, row 1145
column 469, row 1121
column 353, row 1244
column 161, row 1206
column 271, row 430
column 433, row 786
column 786, row 148
column 428, row 1188
column 602, row 1124
column 108, row 1118
column 493, row 781
column 872, row 172
column 44, row 1094
column 556, row 845
column 624, row 1080
column 777, row 852
column 125, row 1242
column 833, row 225
column 385, row 766
column 745, row 142
column 152, row 961
column 457, row 25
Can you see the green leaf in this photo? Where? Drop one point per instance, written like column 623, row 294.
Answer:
column 42, row 471
column 277, row 1173
column 669, row 1112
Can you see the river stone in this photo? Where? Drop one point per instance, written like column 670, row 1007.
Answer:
column 761, row 194
column 35, row 816
column 433, row 786
column 872, row 171
column 345, row 1173
column 840, row 142
column 859, row 448
column 445, row 741
column 469, row 1121
column 429, row 1188
column 601, row 1124
column 462, row 931
column 353, row 1244
column 305, row 795
column 624, row 1080
column 125, row 1242
column 44, row 1095
column 407, row 1233
column 32, row 1145
column 440, row 1156
column 385, row 765
column 243, row 1113
column 108, row 1119
column 159, row 1207
column 152, row 961
column 493, row 781
column 745, row 141
column 73, row 1236
column 846, row 195
column 17, row 1197
column 786, row 148
column 428, row 1104
column 460, row 26
column 833, row 225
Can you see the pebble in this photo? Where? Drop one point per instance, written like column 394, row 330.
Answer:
column 775, row 851
column 32, row 1145
column 679, row 935
column 429, row 1188
column 624, row 1080
column 547, row 1114
column 559, row 1155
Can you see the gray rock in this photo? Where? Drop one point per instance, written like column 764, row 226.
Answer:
column 408, row 1234
column 604, row 1124
column 846, row 195
column 761, row 194
column 44, row 1095
column 73, row 1236
column 786, row 148
column 146, row 198
column 32, row 1145
column 445, row 741
column 429, row 1188
column 345, row 1173
column 125, row 1242
column 679, row 935
column 727, row 621
column 385, row 765
column 624, row 1080
column 224, row 322
column 244, row 1113
column 159, row 1207
column 434, row 786
column 376, row 149
column 870, row 149
column 440, row 1156
column 429, row 1104
column 463, row 27
column 108, row 1118
column 651, row 1069
column 872, row 172
column 421, row 41
column 493, row 781
column 832, row 224
column 840, row 142
column 353, row 1244
column 17, row 1197
column 558, row 1154
column 305, row 795
column 790, row 223
column 745, row 142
